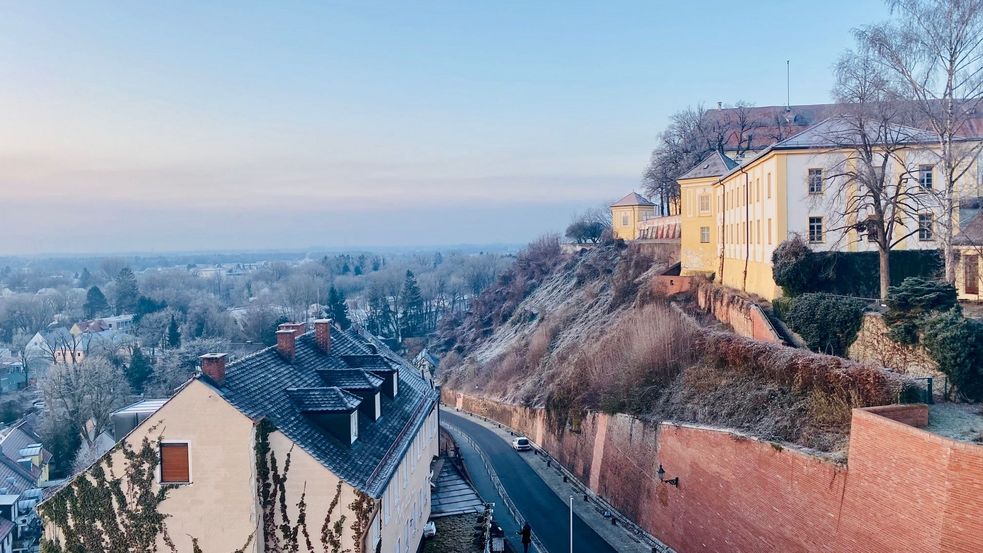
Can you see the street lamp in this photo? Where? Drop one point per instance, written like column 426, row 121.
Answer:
column 662, row 477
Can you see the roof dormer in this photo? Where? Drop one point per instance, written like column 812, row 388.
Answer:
column 332, row 408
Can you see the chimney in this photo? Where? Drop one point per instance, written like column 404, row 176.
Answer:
column 285, row 343
column 296, row 328
column 322, row 334
column 213, row 366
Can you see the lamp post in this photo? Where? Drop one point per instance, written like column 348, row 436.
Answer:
column 662, row 477
column 571, row 524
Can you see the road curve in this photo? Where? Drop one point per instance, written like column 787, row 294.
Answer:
column 548, row 515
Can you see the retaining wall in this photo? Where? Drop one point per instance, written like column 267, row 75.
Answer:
column 902, row 489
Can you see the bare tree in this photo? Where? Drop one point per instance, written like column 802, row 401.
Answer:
column 869, row 197
column 691, row 135
column 934, row 50
column 84, row 395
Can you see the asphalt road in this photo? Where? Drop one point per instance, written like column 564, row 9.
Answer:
column 548, row 515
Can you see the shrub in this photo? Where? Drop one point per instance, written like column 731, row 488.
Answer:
column 793, row 266
column 956, row 344
column 798, row 269
column 913, row 300
column 826, row 322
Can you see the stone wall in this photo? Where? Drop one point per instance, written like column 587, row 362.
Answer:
column 873, row 345
column 902, row 489
column 743, row 315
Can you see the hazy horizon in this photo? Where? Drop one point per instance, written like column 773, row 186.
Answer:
column 145, row 127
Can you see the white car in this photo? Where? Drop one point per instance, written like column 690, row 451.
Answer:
column 521, row 444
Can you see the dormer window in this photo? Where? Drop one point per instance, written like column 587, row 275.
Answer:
column 331, row 408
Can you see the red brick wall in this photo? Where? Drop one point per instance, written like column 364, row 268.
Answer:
column 744, row 316
column 669, row 285
column 903, row 489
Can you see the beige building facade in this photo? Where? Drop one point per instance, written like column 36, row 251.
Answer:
column 375, row 474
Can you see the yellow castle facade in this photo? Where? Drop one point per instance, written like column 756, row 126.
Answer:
column 734, row 216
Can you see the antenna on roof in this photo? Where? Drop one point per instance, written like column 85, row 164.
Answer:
column 788, row 85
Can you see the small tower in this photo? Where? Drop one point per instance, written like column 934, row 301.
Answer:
column 627, row 212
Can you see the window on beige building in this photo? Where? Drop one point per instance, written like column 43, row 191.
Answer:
column 704, row 204
column 815, row 229
column 704, row 235
column 925, row 227
column 815, row 181
column 175, row 463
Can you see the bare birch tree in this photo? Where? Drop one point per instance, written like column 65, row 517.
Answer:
column 869, row 197
column 934, row 50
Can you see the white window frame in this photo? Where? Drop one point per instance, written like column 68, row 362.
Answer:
column 158, row 470
column 353, row 423
column 704, row 235
column 822, row 230
column 928, row 229
column 811, row 181
column 923, row 172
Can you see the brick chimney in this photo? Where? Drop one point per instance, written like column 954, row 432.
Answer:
column 322, row 334
column 285, row 339
column 296, row 328
column 213, row 366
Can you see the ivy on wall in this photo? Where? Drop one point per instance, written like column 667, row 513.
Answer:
column 281, row 534
column 102, row 512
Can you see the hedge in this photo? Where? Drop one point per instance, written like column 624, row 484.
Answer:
column 799, row 270
column 828, row 323
column 861, row 385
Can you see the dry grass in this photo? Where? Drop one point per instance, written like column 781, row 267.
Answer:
column 625, row 369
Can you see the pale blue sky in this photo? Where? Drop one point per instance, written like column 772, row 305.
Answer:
column 193, row 125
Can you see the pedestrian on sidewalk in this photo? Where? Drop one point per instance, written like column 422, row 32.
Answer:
column 526, row 534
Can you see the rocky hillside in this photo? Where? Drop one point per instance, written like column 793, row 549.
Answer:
column 578, row 332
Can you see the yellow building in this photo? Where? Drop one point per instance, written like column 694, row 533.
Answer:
column 734, row 216
column 969, row 266
column 627, row 213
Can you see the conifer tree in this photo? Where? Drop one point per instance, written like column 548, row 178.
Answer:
column 127, row 291
column 173, row 334
column 337, row 308
column 95, row 303
column 138, row 371
column 412, row 315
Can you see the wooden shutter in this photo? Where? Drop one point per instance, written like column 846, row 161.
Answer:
column 174, row 463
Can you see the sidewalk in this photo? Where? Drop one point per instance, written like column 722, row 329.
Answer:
column 482, row 482
column 619, row 536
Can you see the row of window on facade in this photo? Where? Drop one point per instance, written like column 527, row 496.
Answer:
column 816, row 178
column 816, row 231
column 815, row 182
column 926, row 229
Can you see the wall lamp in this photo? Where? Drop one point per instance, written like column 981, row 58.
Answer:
column 662, row 477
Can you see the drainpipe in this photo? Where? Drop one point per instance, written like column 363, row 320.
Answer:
column 723, row 232
column 747, row 226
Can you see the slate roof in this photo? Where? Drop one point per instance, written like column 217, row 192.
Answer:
column 632, row 199
column 18, row 438
column 323, row 400
column 713, row 165
column 351, row 379
column 838, row 132
column 258, row 386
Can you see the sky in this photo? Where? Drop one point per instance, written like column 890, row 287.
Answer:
column 182, row 126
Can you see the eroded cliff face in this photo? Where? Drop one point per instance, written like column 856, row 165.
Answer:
column 573, row 334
